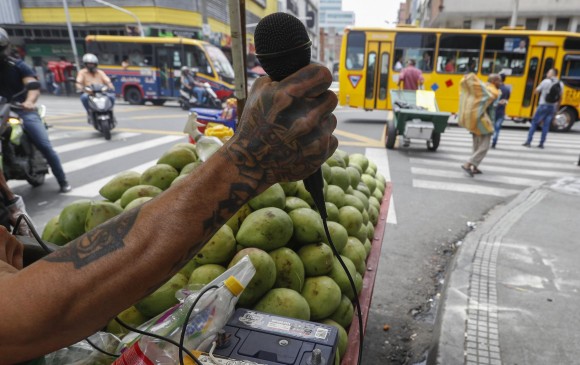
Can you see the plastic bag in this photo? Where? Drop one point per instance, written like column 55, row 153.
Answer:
column 82, row 353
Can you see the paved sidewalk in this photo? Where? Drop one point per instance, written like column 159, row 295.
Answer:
column 513, row 293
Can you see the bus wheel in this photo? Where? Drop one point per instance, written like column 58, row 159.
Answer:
column 433, row 144
column 133, row 96
column 158, row 102
column 564, row 120
column 391, row 135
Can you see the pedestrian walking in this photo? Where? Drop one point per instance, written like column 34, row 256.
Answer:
column 550, row 90
column 500, row 109
column 411, row 77
column 476, row 113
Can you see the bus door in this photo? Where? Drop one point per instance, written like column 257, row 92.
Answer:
column 167, row 59
column 377, row 75
column 541, row 60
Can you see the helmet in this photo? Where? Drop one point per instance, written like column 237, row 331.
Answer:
column 91, row 59
column 185, row 69
column 4, row 44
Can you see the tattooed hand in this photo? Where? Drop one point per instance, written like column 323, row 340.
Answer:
column 11, row 249
column 285, row 132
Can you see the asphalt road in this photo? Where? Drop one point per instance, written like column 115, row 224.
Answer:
column 432, row 199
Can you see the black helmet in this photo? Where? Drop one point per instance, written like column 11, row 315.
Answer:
column 4, row 44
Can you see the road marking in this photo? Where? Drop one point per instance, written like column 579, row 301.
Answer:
column 511, row 170
column 91, row 190
column 516, row 162
column 92, row 142
column 381, row 159
column 510, row 180
column 131, row 130
column 357, row 137
column 384, row 136
column 515, row 142
column 514, row 152
column 463, row 188
column 160, row 117
column 86, row 162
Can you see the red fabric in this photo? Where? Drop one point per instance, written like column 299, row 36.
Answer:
column 61, row 70
column 411, row 77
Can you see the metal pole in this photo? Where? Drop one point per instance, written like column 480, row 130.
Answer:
column 514, row 19
column 71, row 34
column 238, row 52
column 124, row 11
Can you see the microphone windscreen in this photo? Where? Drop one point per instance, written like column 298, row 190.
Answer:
column 283, row 34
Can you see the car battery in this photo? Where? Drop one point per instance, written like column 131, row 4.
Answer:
column 262, row 338
column 418, row 129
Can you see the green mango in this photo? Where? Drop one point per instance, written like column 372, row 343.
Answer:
column 289, row 269
column 344, row 313
column 139, row 191
column 272, row 197
column 52, row 233
column 266, row 229
column 114, row 189
column 219, row 249
column 236, row 220
column 263, row 279
column 100, row 212
column 284, row 302
column 190, row 167
column 308, row 226
column 137, row 202
column 72, row 218
column 290, row 188
column 342, row 336
column 131, row 316
column 323, row 296
column 293, row 203
column 317, row 259
column 178, row 157
column 160, row 175
column 163, row 298
column 204, row 274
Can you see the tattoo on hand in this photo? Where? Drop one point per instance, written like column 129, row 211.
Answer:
column 97, row 243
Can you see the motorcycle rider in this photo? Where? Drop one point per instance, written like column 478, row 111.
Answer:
column 91, row 75
column 190, row 85
column 14, row 75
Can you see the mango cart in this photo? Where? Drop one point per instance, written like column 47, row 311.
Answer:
column 415, row 116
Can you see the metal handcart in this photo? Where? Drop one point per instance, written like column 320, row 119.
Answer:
column 415, row 116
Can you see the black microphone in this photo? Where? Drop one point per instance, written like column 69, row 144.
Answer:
column 283, row 47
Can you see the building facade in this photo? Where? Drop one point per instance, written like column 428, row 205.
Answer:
column 38, row 27
column 333, row 21
column 563, row 15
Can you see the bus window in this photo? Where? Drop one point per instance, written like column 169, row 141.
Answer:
column 355, row 50
column 108, row 53
column 370, row 89
column 195, row 58
column 417, row 46
column 529, row 92
column 571, row 71
column 458, row 53
column 384, row 76
column 572, row 44
column 221, row 64
column 505, row 54
column 138, row 54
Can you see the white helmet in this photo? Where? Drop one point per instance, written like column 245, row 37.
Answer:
column 90, row 58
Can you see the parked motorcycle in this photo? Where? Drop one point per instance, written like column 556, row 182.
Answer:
column 20, row 158
column 187, row 99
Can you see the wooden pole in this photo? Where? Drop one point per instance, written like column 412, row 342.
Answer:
column 237, row 10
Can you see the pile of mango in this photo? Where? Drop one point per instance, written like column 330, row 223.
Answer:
column 297, row 274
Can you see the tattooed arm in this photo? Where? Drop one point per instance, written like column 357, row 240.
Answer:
column 285, row 134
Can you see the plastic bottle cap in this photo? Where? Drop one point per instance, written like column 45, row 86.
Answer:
column 234, row 285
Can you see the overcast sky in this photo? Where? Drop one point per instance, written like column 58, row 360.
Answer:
column 373, row 13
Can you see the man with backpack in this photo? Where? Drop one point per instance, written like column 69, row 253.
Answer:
column 550, row 90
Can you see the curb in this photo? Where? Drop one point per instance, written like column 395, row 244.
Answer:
column 450, row 332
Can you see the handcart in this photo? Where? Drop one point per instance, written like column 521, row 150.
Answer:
column 415, row 116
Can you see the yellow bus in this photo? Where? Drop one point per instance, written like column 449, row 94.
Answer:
column 149, row 68
column 371, row 59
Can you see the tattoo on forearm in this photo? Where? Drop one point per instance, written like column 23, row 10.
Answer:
column 97, row 243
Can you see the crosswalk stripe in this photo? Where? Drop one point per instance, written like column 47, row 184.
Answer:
column 511, row 170
column 515, row 162
column 85, row 162
column 91, row 189
column 467, row 151
column 509, row 180
column 464, row 188
column 531, row 152
column 517, row 137
column 92, row 142
column 514, row 142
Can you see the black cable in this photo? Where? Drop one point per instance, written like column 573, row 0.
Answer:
column 182, row 338
column 159, row 337
column 32, row 230
column 353, row 286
